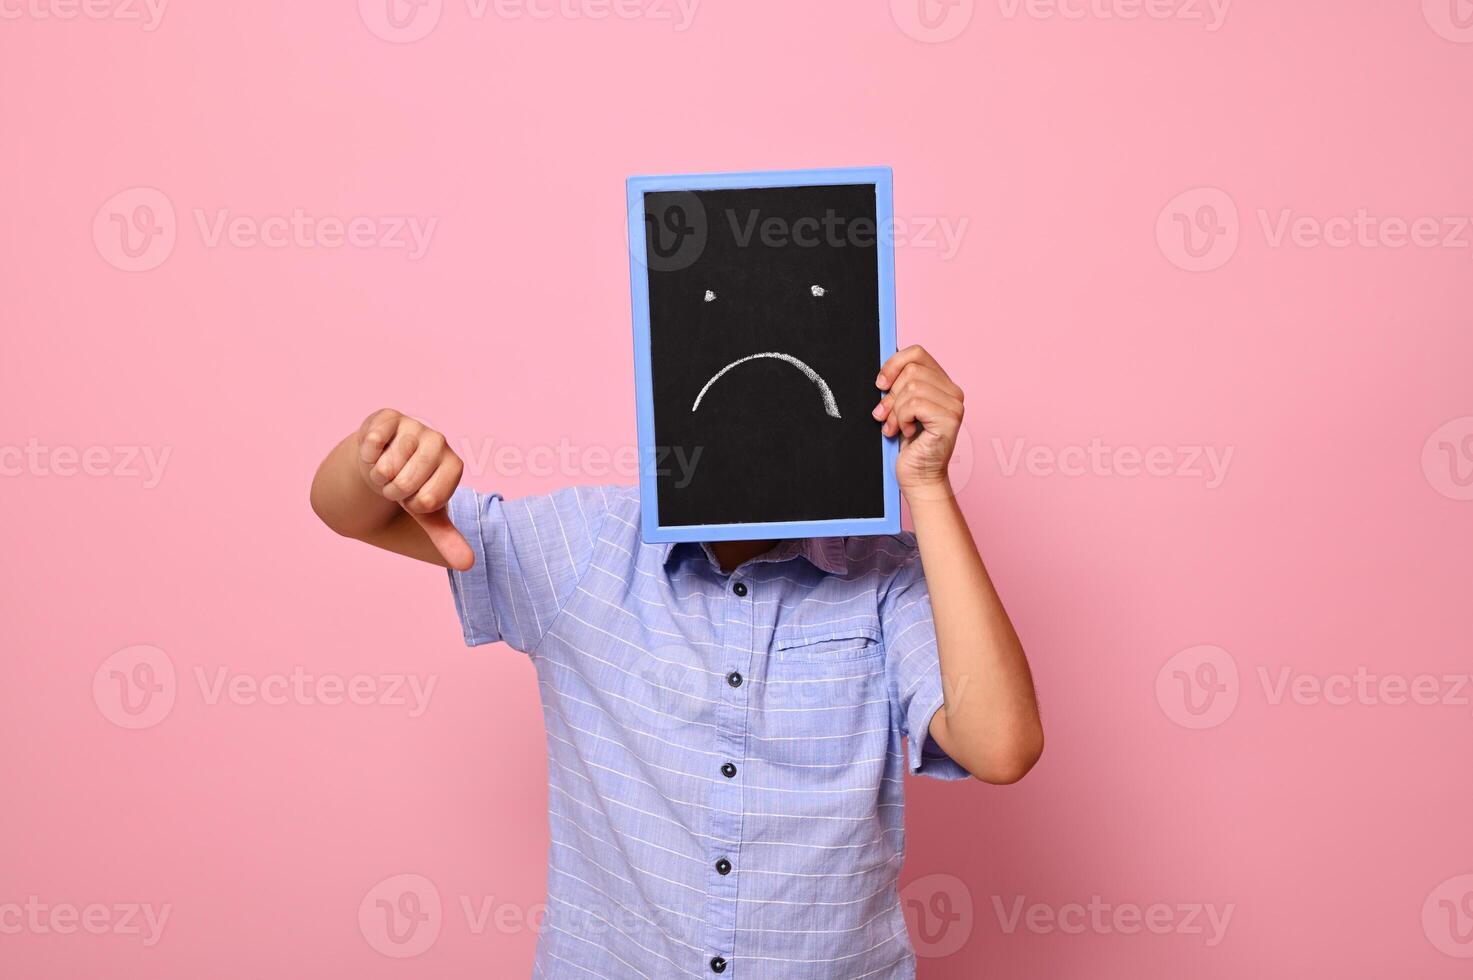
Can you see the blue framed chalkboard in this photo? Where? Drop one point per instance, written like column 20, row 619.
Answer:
column 764, row 305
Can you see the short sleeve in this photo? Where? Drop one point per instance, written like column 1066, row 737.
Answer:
column 914, row 667
column 530, row 553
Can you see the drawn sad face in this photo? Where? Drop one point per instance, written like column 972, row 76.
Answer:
column 764, row 345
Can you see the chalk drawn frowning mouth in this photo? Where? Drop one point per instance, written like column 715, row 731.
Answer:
column 830, row 406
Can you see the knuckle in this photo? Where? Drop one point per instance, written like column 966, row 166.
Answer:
column 381, row 415
column 428, row 501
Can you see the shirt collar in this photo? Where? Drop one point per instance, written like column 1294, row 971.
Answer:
column 825, row 554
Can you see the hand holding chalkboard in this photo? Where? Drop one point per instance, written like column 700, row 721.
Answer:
column 924, row 405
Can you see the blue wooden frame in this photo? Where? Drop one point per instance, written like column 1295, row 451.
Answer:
column 650, row 528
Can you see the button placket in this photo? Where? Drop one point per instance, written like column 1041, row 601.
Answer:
column 738, row 629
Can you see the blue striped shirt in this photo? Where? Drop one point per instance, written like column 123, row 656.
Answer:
column 725, row 753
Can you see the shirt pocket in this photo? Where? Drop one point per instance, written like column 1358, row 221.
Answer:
column 837, row 644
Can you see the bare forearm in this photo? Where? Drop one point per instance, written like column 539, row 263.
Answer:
column 344, row 500
column 990, row 724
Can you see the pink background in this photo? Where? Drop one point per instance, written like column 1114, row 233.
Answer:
column 1069, row 149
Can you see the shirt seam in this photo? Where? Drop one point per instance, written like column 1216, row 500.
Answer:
column 577, row 580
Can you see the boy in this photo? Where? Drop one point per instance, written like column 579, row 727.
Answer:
column 724, row 722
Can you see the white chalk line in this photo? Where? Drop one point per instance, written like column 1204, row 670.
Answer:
column 829, row 405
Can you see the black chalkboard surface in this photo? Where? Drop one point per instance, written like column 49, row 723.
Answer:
column 764, row 308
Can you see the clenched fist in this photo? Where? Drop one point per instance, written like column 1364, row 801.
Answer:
column 407, row 462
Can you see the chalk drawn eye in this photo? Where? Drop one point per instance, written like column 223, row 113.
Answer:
column 710, row 296
column 817, row 290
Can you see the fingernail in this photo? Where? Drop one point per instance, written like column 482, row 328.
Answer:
column 878, row 411
column 880, row 380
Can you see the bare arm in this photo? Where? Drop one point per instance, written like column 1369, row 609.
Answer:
column 990, row 724
column 387, row 484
